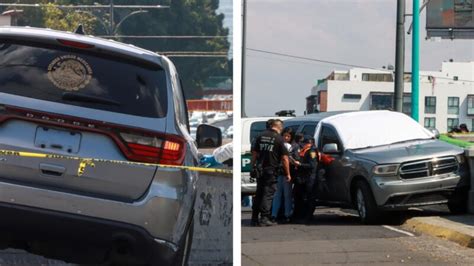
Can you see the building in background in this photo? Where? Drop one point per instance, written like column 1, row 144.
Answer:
column 5, row 20
column 446, row 96
column 217, row 96
column 218, row 88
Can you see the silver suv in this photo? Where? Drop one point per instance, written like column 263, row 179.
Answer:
column 75, row 95
column 384, row 161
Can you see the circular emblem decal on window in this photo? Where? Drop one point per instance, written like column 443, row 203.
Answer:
column 69, row 72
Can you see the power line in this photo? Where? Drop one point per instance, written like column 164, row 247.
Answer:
column 222, row 54
column 289, row 61
column 195, row 55
column 340, row 64
column 310, row 59
column 87, row 6
column 193, row 52
column 162, row 37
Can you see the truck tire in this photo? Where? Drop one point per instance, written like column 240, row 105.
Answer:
column 458, row 203
column 365, row 203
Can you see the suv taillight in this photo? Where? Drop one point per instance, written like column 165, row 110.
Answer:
column 136, row 144
column 154, row 149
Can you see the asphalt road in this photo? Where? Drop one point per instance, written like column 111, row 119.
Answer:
column 336, row 237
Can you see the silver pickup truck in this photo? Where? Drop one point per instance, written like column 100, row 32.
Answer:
column 386, row 161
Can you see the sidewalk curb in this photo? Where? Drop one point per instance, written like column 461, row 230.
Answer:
column 422, row 225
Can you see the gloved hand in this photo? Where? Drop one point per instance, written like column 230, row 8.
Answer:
column 209, row 161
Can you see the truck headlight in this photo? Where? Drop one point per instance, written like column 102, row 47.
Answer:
column 387, row 169
column 461, row 159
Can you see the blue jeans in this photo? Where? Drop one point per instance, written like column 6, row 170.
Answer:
column 283, row 191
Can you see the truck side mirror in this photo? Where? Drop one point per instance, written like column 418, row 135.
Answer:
column 208, row 136
column 435, row 132
column 331, row 148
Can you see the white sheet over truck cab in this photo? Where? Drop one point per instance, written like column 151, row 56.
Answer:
column 374, row 128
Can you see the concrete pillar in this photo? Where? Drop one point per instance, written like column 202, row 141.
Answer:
column 212, row 243
column 469, row 152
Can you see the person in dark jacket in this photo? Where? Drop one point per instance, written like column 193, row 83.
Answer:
column 284, row 187
column 299, row 187
column 269, row 154
column 297, row 145
column 309, row 168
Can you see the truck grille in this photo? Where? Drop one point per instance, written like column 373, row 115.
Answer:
column 425, row 168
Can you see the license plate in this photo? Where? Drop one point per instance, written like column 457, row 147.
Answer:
column 53, row 139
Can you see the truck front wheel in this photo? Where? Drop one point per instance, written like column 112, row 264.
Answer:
column 365, row 203
column 459, row 201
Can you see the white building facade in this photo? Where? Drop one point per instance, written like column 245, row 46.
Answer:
column 5, row 20
column 446, row 96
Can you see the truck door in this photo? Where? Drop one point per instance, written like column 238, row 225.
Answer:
column 333, row 186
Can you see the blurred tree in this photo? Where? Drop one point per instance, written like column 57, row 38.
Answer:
column 67, row 20
column 185, row 17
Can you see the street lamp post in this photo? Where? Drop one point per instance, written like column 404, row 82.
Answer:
column 115, row 30
column 415, row 68
column 400, row 56
column 112, row 28
column 112, row 17
column 244, row 47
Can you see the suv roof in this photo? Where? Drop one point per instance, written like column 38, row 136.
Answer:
column 317, row 116
column 51, row 36
column 265, row 118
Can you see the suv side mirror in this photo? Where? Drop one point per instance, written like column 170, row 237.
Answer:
column 208, row 136
column 435, row 132
column 330, row 148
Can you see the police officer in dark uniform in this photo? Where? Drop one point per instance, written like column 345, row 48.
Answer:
column 269, row 156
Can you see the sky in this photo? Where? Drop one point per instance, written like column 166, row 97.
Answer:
column 358, row 32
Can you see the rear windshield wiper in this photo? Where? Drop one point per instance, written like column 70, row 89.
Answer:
column 80, row 97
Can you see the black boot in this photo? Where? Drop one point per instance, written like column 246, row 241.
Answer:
column 266, row 222
column 254, row 221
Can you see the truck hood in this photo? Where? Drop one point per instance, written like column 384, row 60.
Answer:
column 408, row 151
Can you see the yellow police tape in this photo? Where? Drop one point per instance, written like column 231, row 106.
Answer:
column 90, row 162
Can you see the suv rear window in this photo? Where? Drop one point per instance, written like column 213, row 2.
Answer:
column 309, row 130
column 79, row 78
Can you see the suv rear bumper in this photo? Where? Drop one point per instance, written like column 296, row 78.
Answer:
column 163, row 212
column 77, row 238
column 390, row 193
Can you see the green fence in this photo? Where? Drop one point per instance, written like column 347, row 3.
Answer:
column 457, row 142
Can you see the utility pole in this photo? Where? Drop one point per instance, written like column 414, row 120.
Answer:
column 244, row 46
column 112, row 17
column 400, row 57
column 415, row 68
